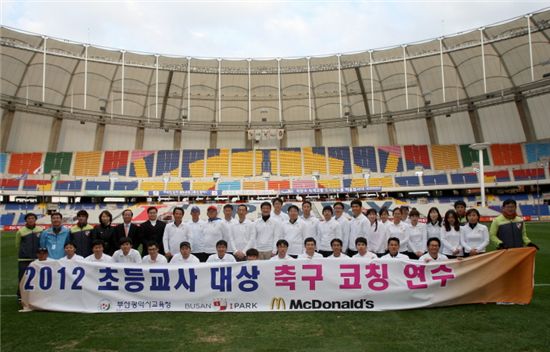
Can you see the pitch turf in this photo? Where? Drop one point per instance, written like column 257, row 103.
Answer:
column 462, row 328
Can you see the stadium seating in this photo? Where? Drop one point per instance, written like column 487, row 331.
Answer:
column 464, row 178
column 507, row 154
column 270, row 161
column 229, row 186
column 142, row 163
column 20, row 206
column 528, row 174
column 3, row 162
column 192, row 163
column 253, row 185
column 174, row 186
column 314, row 159
column 217, row 162
column 445, row 157
column 364, row 158
column 356, row 183
column 97, row 185
column 203, row 186
column 290, row 160
column 69, row 186
column 152, row 186
column 339, row 160
column 536, row 151
column 417, row 155
column 534, row 210
column 407, row 181
column 168, row 162
column 390, row 159
column 435, row 180
column 125, row 186
column 330, row 183
column 186, row 185
column 87, row 163
column 303, row 184
column 498, row 176
column 58, row 161
column 25, row 163
column 384, row 182
column 7, row 219
column 37, row 185
column 115, row 161
column 242, row 163
column 9, row 184
column 470, row 156
column 278, row 185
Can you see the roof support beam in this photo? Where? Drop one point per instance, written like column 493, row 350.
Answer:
column 165, row 98
column 475, row 122
column 363, row 93
column 525, row 118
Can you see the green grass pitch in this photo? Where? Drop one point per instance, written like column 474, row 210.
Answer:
column 461, row 328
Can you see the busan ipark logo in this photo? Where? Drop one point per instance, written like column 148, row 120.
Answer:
column 104, row 305
column 220, row 303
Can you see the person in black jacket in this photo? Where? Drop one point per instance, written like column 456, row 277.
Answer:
column 105, row 232
column 152, row 231
column 127, row 229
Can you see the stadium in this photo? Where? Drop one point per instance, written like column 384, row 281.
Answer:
column 460, row 117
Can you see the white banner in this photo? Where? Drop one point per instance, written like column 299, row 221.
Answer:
column 300, row 285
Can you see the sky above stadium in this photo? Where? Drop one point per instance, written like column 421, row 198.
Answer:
column 242, row 29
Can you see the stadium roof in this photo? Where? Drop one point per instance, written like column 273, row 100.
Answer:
column 370, row 86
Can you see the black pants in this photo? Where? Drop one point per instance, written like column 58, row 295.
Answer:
column 325, row 253
column 351, row 253
column 22, row 266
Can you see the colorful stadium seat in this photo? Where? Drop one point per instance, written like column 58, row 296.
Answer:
column 498, row 176
column 217, row 162
column 507, row 154
column 303, row 184
column 417, row 155
column 58, row 161
column 278, row 185
column 192, row 163
column 253, row 185
column 125, row 186
column 242, row 163
column 270, row 161
column 69, row 186
column 290, row 160
column 390, row 159
column 87, row 163
column 9, row 184
column 25, row 163
column 464, row 178
column 528, row 174
column 115, row 161
column 470, row 156
column 203, row 186
column 229, row 186
column 142, row 163
column 445, row 157
column 435, row 180
column 364, row 158
column 37, row 185
column 407, row 181
column 536, row 151
column 168, row 162
column 336, row 183
column 314, row 160
column 97, row 185
column 3, row 162
column 339, row 161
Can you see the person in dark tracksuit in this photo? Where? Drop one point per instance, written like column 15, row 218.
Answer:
column 106, row 232
column 27, row 242
column 152, row 230
column 508, row 229
column 81, row 234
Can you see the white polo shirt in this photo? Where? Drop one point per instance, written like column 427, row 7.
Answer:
column 326, row 232
column 133, row 256
column 367, row 256
column 178, row 259
column 105, row 258
column 160, row 259
column 294, row 234
column 174, row 235
column 227, row 258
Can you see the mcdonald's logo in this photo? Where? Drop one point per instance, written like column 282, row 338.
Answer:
column 278, row 303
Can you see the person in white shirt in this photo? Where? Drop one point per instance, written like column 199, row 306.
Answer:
column 384, row 215
column 126, row 254
column 393, row 250
column 310, row 221
column 336, row 245
column 175, row 233
column 215, row 229
column 282, row 248
column 474, row 236
column 184, row 257
column 310, row 246
column 327, row 230
column 277, row 213
column 267, row 231
column 433, row 254
column 450, row 235
column 221, row 255
column 97, row 253
column 362, row 249
column 397, row 228
column 376, row 237
column 433, row 226
column 70, row 253
column 242, row 234
column 293, row 231
column 153, row 256
column 417, row 235
column 228, row 215
column 196, row 231
column 359, row 225
column 343, row 220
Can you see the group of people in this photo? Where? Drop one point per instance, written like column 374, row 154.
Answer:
column 274, row 235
